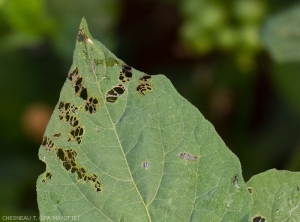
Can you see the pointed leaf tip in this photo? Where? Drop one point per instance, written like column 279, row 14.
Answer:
column 84, row 26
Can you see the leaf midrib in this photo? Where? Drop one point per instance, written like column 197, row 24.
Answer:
column 111, row 121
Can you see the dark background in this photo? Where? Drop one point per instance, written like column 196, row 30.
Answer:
column 237, row 61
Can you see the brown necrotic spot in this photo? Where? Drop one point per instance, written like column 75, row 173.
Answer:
column 250, row 190
column 235, row 181
column 187, row 156
column 91, row 105
column 145, row 165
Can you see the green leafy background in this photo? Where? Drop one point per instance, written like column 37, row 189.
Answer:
column 240, row 86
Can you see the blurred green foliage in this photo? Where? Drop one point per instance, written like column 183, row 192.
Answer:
column 224, row 25
column 237, row 61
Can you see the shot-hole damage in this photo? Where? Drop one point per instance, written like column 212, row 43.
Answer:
column 81, row 36
column 68, row 158
column 187, row 156
column 48, row 144
column 235, row 181
column 81, row 92
column 74, row 76
column 91, row 104
column 73, row 120
column 145, row 78
column 77, row 83
column 125, row 74
column 113, row 94
column 258, row 219
column 66, row 110
column 144, row 85
column 68, row 113
column 250, row 190
column 145, row 165
column 76, row 134
column 46, row 176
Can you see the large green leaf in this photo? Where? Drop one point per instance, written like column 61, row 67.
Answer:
column 276, row 196
column 125, row 146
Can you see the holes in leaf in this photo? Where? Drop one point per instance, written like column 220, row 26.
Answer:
column 145, row 165
column 126, row 73
column 81, row 36
column 74, row 121
column 56, row 135
column 113, row 94
column 258, row 219
column 111, row 99
column 73, row 76
column 76, row 134
column 144, row 85
column 144, row 78
column 250, row 190
column 98, row 186
column 65, row 109
column 48, row 144
column 77, row 83
column 91, row 105
column 47, row 176
column 67, row 156
column 82, row 92
column 187, row 156
column 235, row 181
column 77, row 131
column 60, row 154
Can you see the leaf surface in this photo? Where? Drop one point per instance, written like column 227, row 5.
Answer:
column 276, row 196
column 122, row 145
